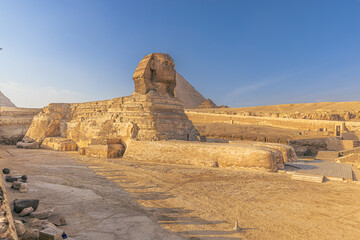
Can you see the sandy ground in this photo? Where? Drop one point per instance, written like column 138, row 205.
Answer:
column 196, row 203
column 95, row 208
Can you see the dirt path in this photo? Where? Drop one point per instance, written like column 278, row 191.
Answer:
column 198, row 203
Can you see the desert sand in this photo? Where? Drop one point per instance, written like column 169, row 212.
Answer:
column 192, row 202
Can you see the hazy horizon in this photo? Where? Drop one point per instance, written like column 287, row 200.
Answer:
column 237, row 53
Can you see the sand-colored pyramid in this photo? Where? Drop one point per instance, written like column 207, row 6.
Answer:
column 5, row 101
column 186, row 93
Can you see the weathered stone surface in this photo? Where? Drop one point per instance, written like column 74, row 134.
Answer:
column 50, row 233
column 6, row 171
column 57, row 219
column 302, row 151
column 206, row 154
column 31, row 234
column 20, row 204
column 42, row 214
column 23, row 188
column 288, row 152
column 59, row 144
column 14, row 123
column 16, row 185
column 7, row 225
column 20, row 227
column 34, row 223
column 28, row 145
column 156, row 72
column 26, row 211
column 46, row 224
column 105, row 151
column 48, row 122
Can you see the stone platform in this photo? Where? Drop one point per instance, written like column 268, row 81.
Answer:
column 331, row 170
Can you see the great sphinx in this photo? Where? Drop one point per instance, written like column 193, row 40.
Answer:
column 139, row 127
column 150, row 113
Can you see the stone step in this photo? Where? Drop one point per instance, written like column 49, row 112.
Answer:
column 327, row 155
column 308, row 178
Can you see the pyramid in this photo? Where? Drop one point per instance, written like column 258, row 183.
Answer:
column 208, row 103
column 187, row 94
column 5, row 102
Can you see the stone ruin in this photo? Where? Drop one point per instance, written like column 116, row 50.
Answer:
column 150, row 125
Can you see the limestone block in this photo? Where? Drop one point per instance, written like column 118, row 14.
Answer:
column 50, row 233
column 59, row 144
column 105, row 151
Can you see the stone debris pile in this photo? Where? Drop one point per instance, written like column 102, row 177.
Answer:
column 33, row 224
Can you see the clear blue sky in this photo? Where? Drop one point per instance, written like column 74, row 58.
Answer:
column 238, row 53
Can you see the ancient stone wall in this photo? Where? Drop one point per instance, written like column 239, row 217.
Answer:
column 300, row 124
column 14, row 123
column 206, row 154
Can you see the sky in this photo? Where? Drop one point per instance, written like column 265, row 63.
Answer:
column 237, row 53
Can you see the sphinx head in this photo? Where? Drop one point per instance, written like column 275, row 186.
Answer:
column 156, row 72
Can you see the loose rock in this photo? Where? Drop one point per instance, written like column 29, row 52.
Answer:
column 46, row 224
column 57, row 219
column 26, row 211
column 20, row 204
column 34, row 223
column 16, row 185
column 20, row 227
column 23, row 188
column 6, row 171
column 11, row 179
column 31, row 234
column 42, row 214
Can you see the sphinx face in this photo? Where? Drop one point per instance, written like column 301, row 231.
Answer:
column 156, row 72
column 163, row 74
